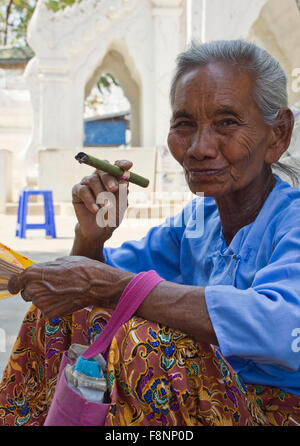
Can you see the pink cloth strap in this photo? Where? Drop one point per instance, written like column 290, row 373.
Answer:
column 132, row 297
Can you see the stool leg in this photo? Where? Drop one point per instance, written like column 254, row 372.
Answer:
column 49, row 215
column 20, row 204
column 45, row 197
column 24, row 215
column 52, row 214
column 46, row 212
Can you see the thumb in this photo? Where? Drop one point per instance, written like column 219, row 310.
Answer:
column 124, row 164
column 15, row 284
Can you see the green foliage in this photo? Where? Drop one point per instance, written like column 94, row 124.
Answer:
column 14, row 18
column 105, row 82
column 16, row 14
column 56, row 5
column 97, row 98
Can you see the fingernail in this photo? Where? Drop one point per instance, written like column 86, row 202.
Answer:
column 112, row 184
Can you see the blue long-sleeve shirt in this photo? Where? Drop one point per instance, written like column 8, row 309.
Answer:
column 252, row 286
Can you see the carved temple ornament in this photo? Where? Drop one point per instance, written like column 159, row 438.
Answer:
column 49, row 30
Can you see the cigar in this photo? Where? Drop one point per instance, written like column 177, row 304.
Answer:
column 113, row 170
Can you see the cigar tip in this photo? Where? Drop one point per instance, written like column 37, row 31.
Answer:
column 81, row 157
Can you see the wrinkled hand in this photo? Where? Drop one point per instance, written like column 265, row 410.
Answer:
column 90, row 198
column 69, row 284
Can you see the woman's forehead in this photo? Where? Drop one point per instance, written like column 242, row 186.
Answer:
column 217, row 81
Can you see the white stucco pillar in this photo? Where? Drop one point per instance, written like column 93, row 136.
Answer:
column 196, row 12
column 5, row 178
column 60, row 109
column 225, row 19
column 167, row 44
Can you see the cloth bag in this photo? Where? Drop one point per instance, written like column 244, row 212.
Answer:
column 69, row 408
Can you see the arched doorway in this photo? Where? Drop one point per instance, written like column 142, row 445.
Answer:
column 114, row 64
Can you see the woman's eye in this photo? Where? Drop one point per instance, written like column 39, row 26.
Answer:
column 183, row 124
column 228, row 122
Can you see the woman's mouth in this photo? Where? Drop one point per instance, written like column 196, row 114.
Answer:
column 197, row 175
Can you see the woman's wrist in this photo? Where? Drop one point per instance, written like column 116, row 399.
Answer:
column 115, row 284
column 87, row 247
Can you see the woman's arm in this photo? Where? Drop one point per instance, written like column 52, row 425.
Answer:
column 82, row 246
column 69, row 284
column 180, row 307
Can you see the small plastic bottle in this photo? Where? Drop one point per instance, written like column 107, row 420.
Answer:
column 87, row 376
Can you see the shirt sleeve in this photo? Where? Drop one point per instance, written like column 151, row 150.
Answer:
column 158, row 250
column 258, row 323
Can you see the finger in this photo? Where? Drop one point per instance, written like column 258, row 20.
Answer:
column 107, row 181
column 94, row 183
column 82, row 194
column 124, row 164
column 110, row 183
column 52, row 308
column 15, row 284
column 19, row 281
column 26, row 296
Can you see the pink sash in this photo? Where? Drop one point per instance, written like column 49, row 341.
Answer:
column 69, row 408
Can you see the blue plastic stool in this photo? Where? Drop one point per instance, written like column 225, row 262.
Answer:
column 22, row 224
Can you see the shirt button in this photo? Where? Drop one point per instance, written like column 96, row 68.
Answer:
column 236, row 257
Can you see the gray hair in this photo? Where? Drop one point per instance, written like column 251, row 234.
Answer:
column 270, row 91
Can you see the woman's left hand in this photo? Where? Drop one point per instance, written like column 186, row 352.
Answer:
column 69, row 284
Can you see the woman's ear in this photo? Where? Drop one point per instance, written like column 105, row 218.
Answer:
column 282, row 129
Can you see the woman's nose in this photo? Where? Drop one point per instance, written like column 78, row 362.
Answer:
column 203, row 145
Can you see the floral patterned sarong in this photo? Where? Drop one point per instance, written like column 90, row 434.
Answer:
column 157, row 377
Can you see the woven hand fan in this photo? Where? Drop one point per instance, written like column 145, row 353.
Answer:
column 11, row 263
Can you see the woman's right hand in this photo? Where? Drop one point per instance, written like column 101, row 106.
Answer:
column 96, row 218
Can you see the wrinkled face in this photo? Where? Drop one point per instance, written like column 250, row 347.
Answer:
column 217, row 132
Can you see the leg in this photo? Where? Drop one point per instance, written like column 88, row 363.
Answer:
column 280, row 408
column 29, row 378
column 157, row 376
column 161, row 377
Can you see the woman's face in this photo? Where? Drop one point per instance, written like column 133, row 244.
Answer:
column 217, row 132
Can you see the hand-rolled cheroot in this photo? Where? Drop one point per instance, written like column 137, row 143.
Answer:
column 113, row 170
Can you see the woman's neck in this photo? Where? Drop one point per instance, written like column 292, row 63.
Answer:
column 241, row 208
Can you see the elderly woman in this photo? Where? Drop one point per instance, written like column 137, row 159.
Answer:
column 214, row 343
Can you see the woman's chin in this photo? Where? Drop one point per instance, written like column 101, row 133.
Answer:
column 205, row 190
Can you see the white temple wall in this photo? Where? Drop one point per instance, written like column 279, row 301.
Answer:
column 227, row 19
column 138, row 41
column 277, row 29
column 66, row 60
